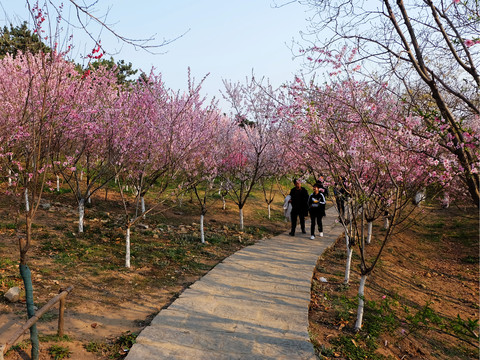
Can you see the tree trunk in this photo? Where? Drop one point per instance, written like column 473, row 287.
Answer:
column 349, row 260
column 9, row 177
column 27, row 202
column 142, row 205
column 269, row 211
column 241, row 218
column 386, row 223
column 202, row 229
column 446, row 201
column 81, row 215
column 361, row 303
column 27, row 281
column 369, row 231
column 348, row 211
column 127, row 248
column 58, row 183
column 419, row 197
column 224, row 203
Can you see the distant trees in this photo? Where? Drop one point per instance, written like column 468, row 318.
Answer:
column 20, row 38
column 253, row 150
column 121, row 69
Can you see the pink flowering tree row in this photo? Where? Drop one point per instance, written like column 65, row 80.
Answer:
column 141, row 134
column 37, row 93
column 85, row 127
column 363, row 138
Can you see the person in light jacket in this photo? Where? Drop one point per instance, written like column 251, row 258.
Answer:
column 287, row 208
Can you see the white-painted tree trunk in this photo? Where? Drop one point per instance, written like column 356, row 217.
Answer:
column 420, row 196
column 9, row 177
column 58, row 183
column 116, row 179
column 81, row 215
column 241, row 218
column 81, row 175
column 142, row 205
column 127, row 248
column 269, row 211
column 202, row 229
column 349, row 261
column 369, row 231
column 361, row 302
column 89, row 197
column 446, row 201
column 224, row 203
column 27, row 202
column 386, row 223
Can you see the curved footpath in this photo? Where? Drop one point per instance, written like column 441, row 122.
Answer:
column 253, row 305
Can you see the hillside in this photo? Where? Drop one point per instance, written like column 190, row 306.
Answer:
column 427, row 276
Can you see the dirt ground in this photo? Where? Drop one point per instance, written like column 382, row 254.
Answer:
column 109, row 300
column 435, row 262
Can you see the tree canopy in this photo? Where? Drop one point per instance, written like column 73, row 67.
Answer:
column 20, row 38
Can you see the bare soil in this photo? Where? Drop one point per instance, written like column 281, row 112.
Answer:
column 108, row 300
column 435, row 262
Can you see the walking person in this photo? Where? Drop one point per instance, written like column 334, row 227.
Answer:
column 316, row 206
column 299, row 201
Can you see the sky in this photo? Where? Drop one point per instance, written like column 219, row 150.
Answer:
column 227, row 39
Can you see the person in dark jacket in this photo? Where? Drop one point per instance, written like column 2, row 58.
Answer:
column 299, row 201
column 316, row 206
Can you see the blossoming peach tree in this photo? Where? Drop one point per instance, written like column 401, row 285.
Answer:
column 360, row 133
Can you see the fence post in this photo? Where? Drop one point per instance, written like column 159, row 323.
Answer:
column 61, row 311
column 4, row 347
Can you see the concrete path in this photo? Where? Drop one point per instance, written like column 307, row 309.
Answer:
column 253, row 305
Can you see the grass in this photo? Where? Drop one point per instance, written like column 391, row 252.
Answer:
column 116, row 349
column 59, row 352
column 48, row 316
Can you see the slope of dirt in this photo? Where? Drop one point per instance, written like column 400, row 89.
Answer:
column 110, row 301
column 432, row 266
